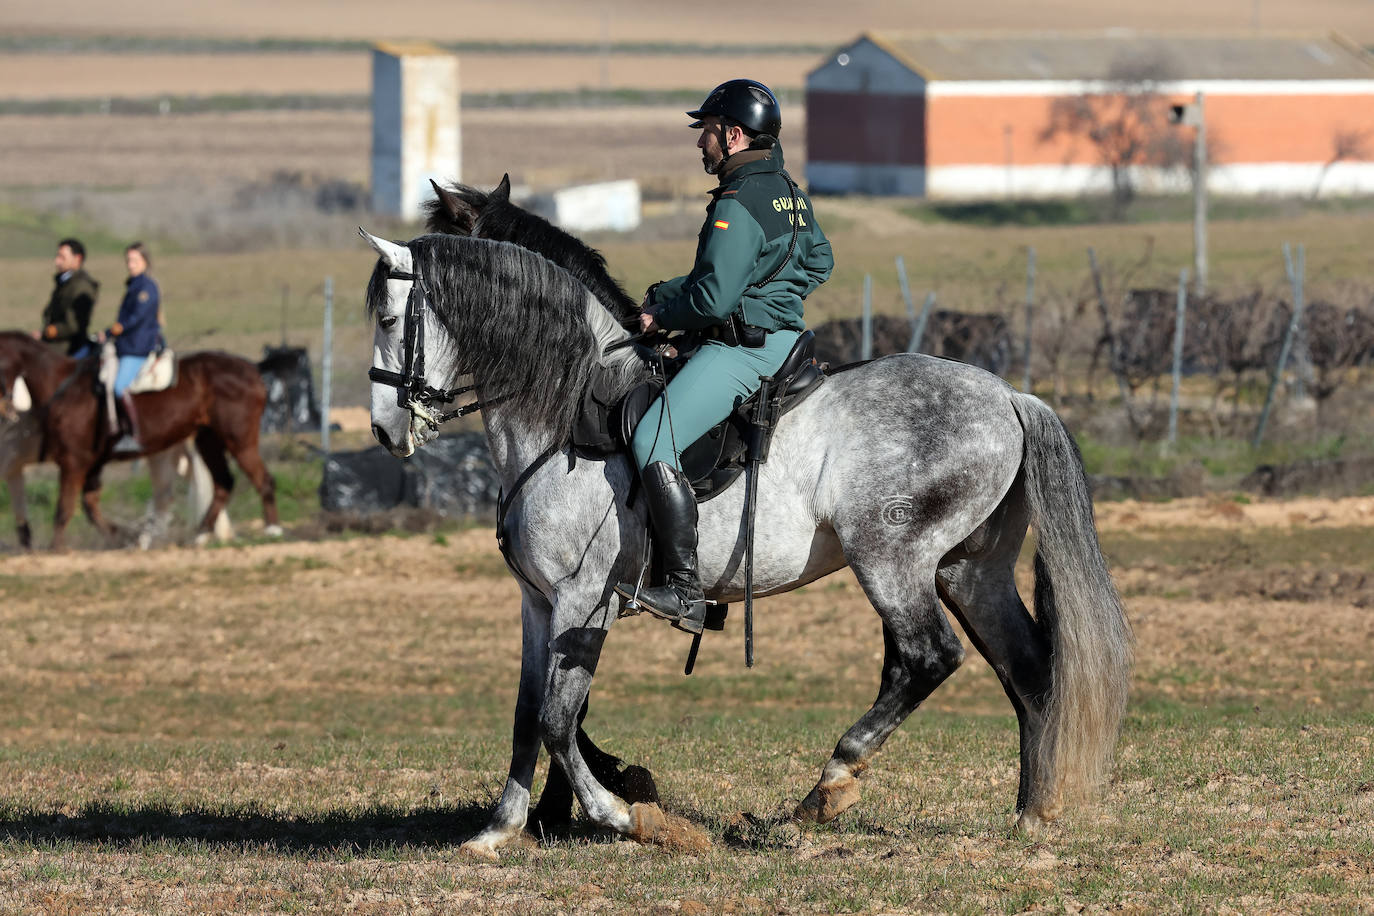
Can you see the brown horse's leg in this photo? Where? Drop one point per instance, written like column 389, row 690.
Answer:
column 19, row 505
column 250, row 461
column 68, row 491
column 211, row 449
column 90, row 502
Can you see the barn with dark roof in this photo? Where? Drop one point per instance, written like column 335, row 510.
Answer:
column 992, row 115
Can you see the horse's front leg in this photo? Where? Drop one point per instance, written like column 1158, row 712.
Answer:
column 69, row 482
column 554, row 810
column 574, row 652
column 508, row 820
column 162, row 472
column 90, row 503
column 19, row 505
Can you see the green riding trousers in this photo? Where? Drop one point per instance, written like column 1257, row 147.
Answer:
column 713, row 382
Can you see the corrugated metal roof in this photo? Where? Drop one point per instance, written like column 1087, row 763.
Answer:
column 1126, row 54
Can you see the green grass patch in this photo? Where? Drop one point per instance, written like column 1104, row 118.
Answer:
column 1219, row 457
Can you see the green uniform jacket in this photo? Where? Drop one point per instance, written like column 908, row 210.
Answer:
column 69, row 310
column 745, row 237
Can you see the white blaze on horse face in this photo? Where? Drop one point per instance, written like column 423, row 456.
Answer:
column 391, row 423
column 20, row 399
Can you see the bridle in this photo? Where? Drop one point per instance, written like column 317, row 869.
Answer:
column 413, row 391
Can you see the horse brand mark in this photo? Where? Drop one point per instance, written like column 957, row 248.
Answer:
column 897, row 511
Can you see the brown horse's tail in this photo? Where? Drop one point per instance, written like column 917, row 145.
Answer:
column 1077, row 606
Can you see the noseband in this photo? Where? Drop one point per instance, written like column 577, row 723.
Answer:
column 413, row 391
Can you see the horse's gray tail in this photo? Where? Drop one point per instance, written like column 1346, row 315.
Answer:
column 1077, row 606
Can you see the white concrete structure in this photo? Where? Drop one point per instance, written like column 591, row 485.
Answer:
column 609, row 205
column 416, row 133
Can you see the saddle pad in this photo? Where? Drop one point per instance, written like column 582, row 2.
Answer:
column 158, row 373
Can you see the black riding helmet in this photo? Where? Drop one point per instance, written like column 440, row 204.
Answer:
column 747, row 102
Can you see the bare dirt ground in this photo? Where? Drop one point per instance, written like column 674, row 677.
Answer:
column 621, row 20
column 1131, row 515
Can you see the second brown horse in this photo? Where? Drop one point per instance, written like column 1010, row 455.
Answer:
column 218, row 398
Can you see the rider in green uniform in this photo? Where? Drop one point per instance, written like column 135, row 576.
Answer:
column 760, row 253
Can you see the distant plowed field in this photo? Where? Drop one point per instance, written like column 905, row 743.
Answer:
column 541, row 146
column 48, row 76
column 705, row 21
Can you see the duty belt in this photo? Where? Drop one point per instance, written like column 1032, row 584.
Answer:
column 735, row 333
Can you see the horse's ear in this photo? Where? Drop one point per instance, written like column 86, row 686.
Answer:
column 462, row 213
column 20, row 398
column 397, row 257
column 502, row 191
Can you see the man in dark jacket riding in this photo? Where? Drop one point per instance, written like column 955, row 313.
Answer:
column 68, row 313
column 760, row 253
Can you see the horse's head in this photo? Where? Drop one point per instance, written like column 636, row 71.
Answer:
column 456, row 210
column 398, row 422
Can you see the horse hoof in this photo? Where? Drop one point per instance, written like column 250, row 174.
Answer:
column 1030, row 826
column 1033, row 823
column 273, row 531
column 827, row 802
column 650, row 825
column 203, row 539
column 482, row 852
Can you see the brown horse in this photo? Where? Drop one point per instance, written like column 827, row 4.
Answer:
column 218, row 398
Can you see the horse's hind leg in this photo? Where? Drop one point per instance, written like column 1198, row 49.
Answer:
column 250, row 461
column 508, row 820
column 980, row 590
column 1003, row 631
column 920, row 650
column 211, row 449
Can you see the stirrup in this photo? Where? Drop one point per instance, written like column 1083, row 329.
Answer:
column 126, row 445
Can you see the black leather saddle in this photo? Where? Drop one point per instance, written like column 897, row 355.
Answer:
column 714, row 461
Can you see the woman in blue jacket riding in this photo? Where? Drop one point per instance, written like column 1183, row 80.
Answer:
column 137, row 332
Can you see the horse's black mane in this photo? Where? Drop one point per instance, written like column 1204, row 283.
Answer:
column 514, row 320
column 493, row 216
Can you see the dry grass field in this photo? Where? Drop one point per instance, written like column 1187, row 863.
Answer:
column 295, row 727
column 317, row 725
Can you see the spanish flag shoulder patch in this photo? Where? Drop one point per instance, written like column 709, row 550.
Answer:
column 722, row 224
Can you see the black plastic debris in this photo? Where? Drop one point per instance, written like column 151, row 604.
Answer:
column 451, row 476
column 291, row 404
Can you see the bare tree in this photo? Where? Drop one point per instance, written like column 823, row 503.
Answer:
column 1126, row 123
column 1353, row 144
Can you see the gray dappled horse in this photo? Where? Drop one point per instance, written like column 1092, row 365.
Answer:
column 919, row 473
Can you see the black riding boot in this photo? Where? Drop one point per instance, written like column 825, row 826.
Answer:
column 673, row 514
column 128, row 443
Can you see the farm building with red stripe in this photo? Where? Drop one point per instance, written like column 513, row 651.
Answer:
column 1016, row 115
